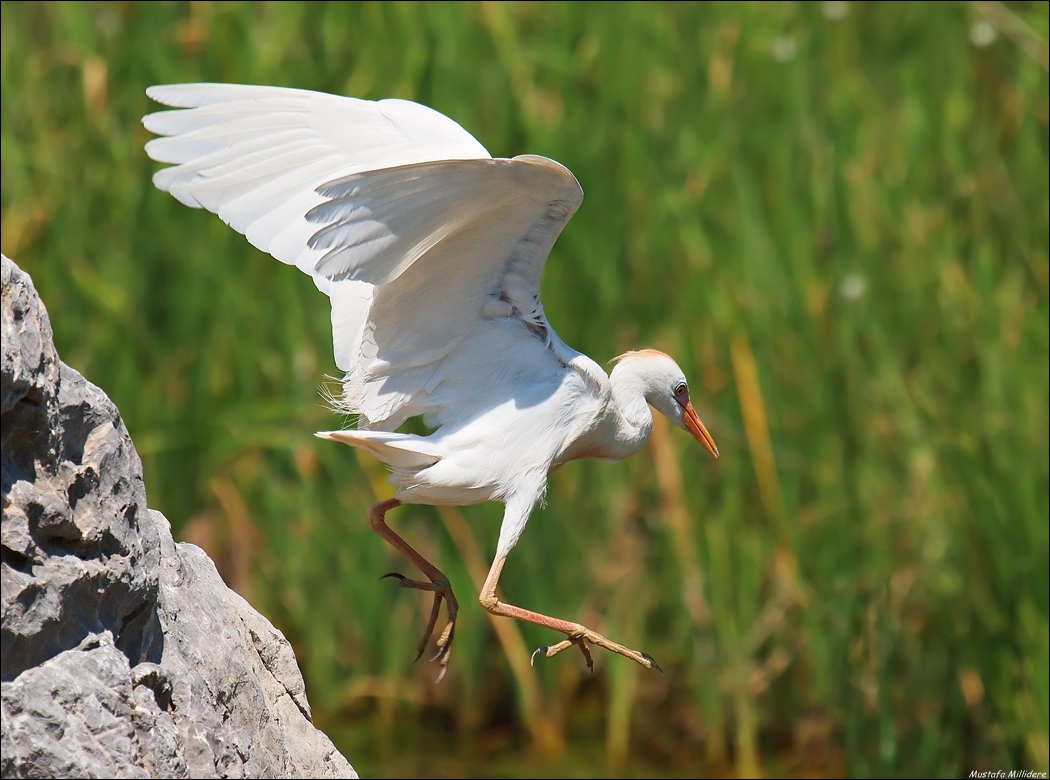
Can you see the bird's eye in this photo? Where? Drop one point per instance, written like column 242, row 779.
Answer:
column 681, row 389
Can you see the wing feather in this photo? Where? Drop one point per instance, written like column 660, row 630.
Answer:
column 223, row 128
column 430, row 250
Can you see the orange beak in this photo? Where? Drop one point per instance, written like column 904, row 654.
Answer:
column 695, row 427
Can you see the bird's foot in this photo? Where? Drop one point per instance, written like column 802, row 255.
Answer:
column 583, row 636
column 441, row 590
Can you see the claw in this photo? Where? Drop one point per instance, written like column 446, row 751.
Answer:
column 440, row 592
column 537, row 651
column 652, row 661
column 442, row 652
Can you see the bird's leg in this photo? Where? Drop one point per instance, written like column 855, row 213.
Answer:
column 578, row 635
column 438, row 585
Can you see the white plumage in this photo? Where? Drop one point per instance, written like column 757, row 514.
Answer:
column 431, row 253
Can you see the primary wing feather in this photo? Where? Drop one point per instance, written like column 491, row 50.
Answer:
column 430, row 251
column 256, row 155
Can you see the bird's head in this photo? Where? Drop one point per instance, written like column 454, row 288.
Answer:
column 665, row 389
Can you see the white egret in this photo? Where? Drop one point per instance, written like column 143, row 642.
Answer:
column 431, row 252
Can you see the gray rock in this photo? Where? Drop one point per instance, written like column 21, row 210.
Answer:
column 123, row 653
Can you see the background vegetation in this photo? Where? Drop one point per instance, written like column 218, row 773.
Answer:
column 834, row 215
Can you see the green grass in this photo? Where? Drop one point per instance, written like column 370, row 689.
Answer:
column 845, row 247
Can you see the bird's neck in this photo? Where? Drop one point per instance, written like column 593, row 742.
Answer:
column 631, row 417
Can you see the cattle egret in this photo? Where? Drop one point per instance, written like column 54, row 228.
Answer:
column 431, row 252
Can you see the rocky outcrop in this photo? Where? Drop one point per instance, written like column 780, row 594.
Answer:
column 123, row 653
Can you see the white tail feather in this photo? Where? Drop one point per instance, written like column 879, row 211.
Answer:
column 400, row 450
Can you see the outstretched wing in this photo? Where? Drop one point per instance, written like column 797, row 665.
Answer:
column 256, row 155
column 430, row 250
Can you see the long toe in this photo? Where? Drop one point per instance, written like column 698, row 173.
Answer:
column 441, row 590
column 435, row 611
column 444, row 651
column 585, row 637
